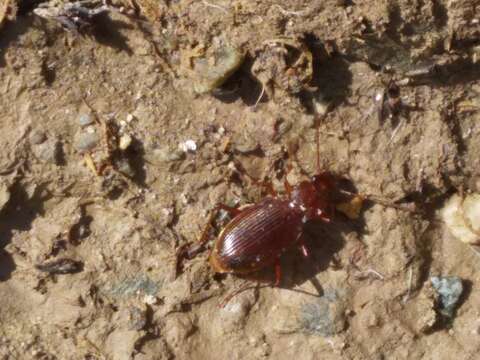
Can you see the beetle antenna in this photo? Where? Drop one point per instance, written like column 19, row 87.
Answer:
column 318, row 146
column 319, row 118
column 386, row 203
column 245, row 286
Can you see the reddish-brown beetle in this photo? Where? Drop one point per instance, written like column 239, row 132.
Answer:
column 258, row 234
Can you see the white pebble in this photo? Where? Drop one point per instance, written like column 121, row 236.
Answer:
column 124, row 142
column 461, row 215
column 150, row 300
column 189, row 145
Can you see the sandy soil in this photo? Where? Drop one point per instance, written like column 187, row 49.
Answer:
column 114, row 212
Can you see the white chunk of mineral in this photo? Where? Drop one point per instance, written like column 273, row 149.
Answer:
column 462, row 217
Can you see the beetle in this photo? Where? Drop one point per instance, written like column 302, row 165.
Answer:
column 258, row 234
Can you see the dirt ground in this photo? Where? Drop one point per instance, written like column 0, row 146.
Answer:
column 114, row 153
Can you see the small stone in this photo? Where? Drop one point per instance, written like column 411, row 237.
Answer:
column 189, row 146
column 166, row 154
column 449, row 289
column 326, row 316
column 130, row 118
column 37, row 137
column 125, row 142
column 321, row 105
column 85, row 141
column 213, row 71
column 123, row 166
column 461, row 216
column 150, row 300
column 85, row 120
column 48, row 151
column 246, row 145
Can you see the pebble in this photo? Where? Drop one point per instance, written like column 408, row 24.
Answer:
column 123, row 166
column 85, row 120
column 37, row 137
column 213, row 72
column 449, row 289
column 189, row 146
column 166, row 154
column 150, row 300
column 48, row 151
column 461, row 215
column 125, row 142
column 246, row 145
column 325, row 316
column 130, row 118
column 85, row 141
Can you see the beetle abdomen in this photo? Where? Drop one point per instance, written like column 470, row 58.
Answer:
column 256, row 237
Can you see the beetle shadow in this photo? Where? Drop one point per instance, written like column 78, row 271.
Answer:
column 331, row 77
column 11, row 33
column 106, row 31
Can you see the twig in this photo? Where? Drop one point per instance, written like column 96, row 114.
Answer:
column 410, row 279
column 259, row 97
column 396, row 130
column 376, row 273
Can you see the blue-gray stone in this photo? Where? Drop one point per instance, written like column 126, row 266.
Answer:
column 449, row 289
column 325, row 316
column 85, row 120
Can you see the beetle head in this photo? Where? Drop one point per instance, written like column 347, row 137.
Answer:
column 314, row 197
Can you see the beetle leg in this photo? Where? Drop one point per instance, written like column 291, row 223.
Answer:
column 278, row 273
column 190, row 250
column 286, row 183
column 266, row 185
column 307, row 254
column 232, row 211
column 245, row 286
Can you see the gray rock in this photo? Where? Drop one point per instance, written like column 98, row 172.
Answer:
column 48, row 151
column 131, row 286
column 212, row 74
column 325, row 317
column 166, row 154
column 85, row 120
column 449, row 289
column 246, row 144
column 37, row 137
column 123, row 166
column 86, row 141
